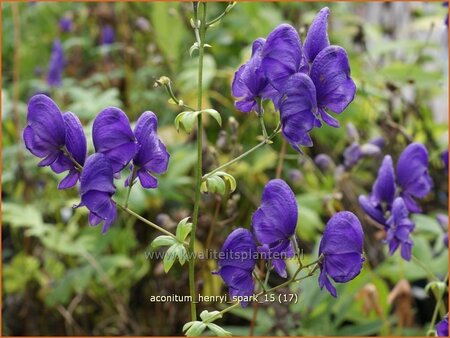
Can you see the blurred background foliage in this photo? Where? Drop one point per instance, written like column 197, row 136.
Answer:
column 62, row 277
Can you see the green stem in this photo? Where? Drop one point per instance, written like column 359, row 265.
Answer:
column 266, row 280
column 240, row 157
column 229, row 7
column 200, row 34
column 425, row 268
column 436, row 308
column 66, row 152
column 179, row 102
column 146, row 221
column 131, row 183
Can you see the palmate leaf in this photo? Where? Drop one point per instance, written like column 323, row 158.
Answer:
column 187, row 119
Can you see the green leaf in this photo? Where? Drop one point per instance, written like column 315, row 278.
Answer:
column 162, row 241
column 181, row 253
column 186, row 120
column 220, row 182
column 196, row 329
column 183, row 229
column 229, row 179
column 215, row 114
column 216, row 184
column 206, row 315
column 218, row 330
column 170, row 257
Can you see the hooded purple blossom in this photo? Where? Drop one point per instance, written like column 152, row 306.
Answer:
column 383, row 192
column 236, row 263
column 250, row 85
column 341, row 247
column 108, row 35
column 113, row 137
column 399, row 229
column 97, row 189
column 48, row 131
column 412, row 175
column 307, row 92
column 442, row 327
column 274, row 223
column 152, row 156
column 56, row 64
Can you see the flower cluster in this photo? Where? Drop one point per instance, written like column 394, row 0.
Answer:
column 274, row 224
column 390, row 206
column 59, row 140
column 303, row 82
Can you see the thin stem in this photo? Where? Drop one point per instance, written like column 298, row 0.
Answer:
column 260, row 282
column 200, row 35
column 263, row 127
column 436, row 308
column 266, row 280
column 281, row 158
column 425, row 268
column 240, row 157
column 146, row 221
column 130, row 184
column 227, row 10
column 168, row 86
column 296, row 250
column 66, row 152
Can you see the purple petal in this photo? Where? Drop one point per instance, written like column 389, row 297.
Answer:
column 324, row 281
column 297, row 110
column 343, row 267
column 45, row 131
column 97, row 175
column 282, row 55
column 70, row 180
column 146, row 179
column 372, row 209
column 276, row 218
column 352, row 155
column 239, row 250
column 442, row 326
column 400, row 228
column 239, row 281
column 75, row 138
column 317, row 37
column 101, row 205
column 328, row 119
column 343, row 235
column 384, row 187
column 112, row 136
column 152, row 154
column 330, row 73
column 412, row 171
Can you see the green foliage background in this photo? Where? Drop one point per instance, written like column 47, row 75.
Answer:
column 62, row 277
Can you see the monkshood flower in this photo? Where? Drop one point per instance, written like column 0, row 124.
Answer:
column 107, row 35
column 250, row 85
column 48, row 131
column 383, row 192
column 97, row 189
column 113, row 137
column 324, row 162
column 355, row 152
column 236, row 263
column 442, row 327
column 56, row 64
column 274, row 223
column 152, row 156
column 65, row 24
column 412, row 175
column 341, row 249
column 310, row 82
column 399, row 229
column 412, row 178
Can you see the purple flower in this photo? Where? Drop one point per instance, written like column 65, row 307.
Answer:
column 97, row 189
column 274, row 223
column 236, row 263
column 412, row 175
column 65, row 24
column 113, row 137
column 56, row 65
column 341, row 248
column 383, row 192
column 307, row 93
column 107, row 35
column 444, row 158
column 250, row 85
column 48, row 132
column 442, row 327
column 152, row 156
column 399, row 229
